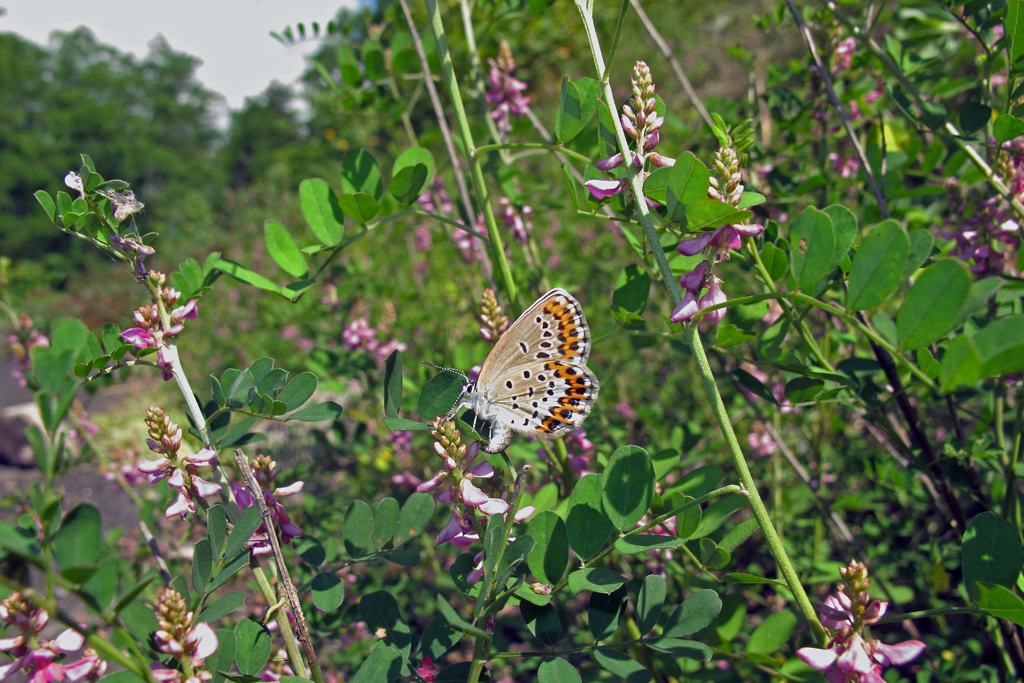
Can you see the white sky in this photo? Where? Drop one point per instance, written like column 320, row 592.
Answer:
column 232, row 37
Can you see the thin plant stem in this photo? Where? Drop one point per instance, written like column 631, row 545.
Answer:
column 535, row 145
column 676, row 67
column 784, row 565
column 1011, row 510
column 283, row 626
column 823, row 73
column 476, row 170
column 476, row 73
column 282, row 567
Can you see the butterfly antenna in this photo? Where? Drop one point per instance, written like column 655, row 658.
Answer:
column 444, row 369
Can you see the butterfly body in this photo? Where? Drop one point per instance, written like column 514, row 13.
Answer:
column 536, row 378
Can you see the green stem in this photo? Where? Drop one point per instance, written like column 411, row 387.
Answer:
column 572, row 651
column 477, row 173
column 1011, row 511
column 764, row 522
column 476, row 72
column 928, row 613
column 535, row 145
column 283, row 626
column 646, row 221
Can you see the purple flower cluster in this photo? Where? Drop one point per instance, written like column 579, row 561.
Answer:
column 150, row 331
column 506, row 91
column 359, row 336
column 24, row 339
column 516, row 219
column 641, row 123
column 462, row 494
column 36, row 656
column 265, row 471
column 850, row 656
column 180, row 471
column 983, row 229
column 190, row 644
column 726, row 186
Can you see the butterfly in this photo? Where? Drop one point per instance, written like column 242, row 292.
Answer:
column 536, row 379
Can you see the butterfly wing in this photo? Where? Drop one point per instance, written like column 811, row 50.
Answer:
column 536, row 377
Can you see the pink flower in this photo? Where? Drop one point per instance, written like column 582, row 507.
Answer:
column 36, row 656
column 180, row 473
column 602, row 189
column 686, row 309
column 427, row 671
column 505, row 90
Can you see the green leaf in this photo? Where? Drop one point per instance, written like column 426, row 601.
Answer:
column 358, row 527
column 252, row 647
column 385, row 521
column 328, row 410
column 382, row 666
column 753, row 385
column 748, row 199
column 440, row 395
column 1000, row 602
column 415, row 516
column 51, row 367
column 380, row 610
column 245, row 275
column 328, row 591
column 393, row 384
column 740, row 577
column 102, row 587
column 716, row 514
column 961, row 365
column 349, row 66
column 980, row 292
column 77, row 541
column 991, row 552
column 1007, row 127
column 631, row 290
column 604, row 613
column 569, row 115
column 21, row 542
column 877, row 266
column 738, row 534
column 1013, row 29
column 649, row 603
column 690, row 649
column 400, row 424
column 635, row 544
column 298, row 391
column 549, row 557
column 586, row 523
column 216, row 528
column 222, row 659
column 772, row 633
column 845, row 225
column 360, row 205
column 223, row 607
column 360, row 174
column 439, row 638
column 688, row 182
column 696, row 612
column 202, row 564
column 730, row 335
column 1000, row 346
column 628, row 486
column 921, row 243
column 321, row 210
column 283, row 250
column 812, row 243
column 775, row 260
column 412, row 169
column 557, row 670
column 620, row 664
column 932, row 303
column 402, row 556
column 698, row 482
column 449, row 613
column 664, row 462
column 46, row 201
column 707, row 214
column 244, row 528
column 801, row 389
column 542, row 621
column 712, row 556
column 373, row 60
column 973, row 117
column 596, row 579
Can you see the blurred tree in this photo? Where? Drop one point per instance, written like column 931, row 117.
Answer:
column 146, row 120
column 266, row 124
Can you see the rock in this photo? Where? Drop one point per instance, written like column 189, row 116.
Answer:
column 14, row 447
